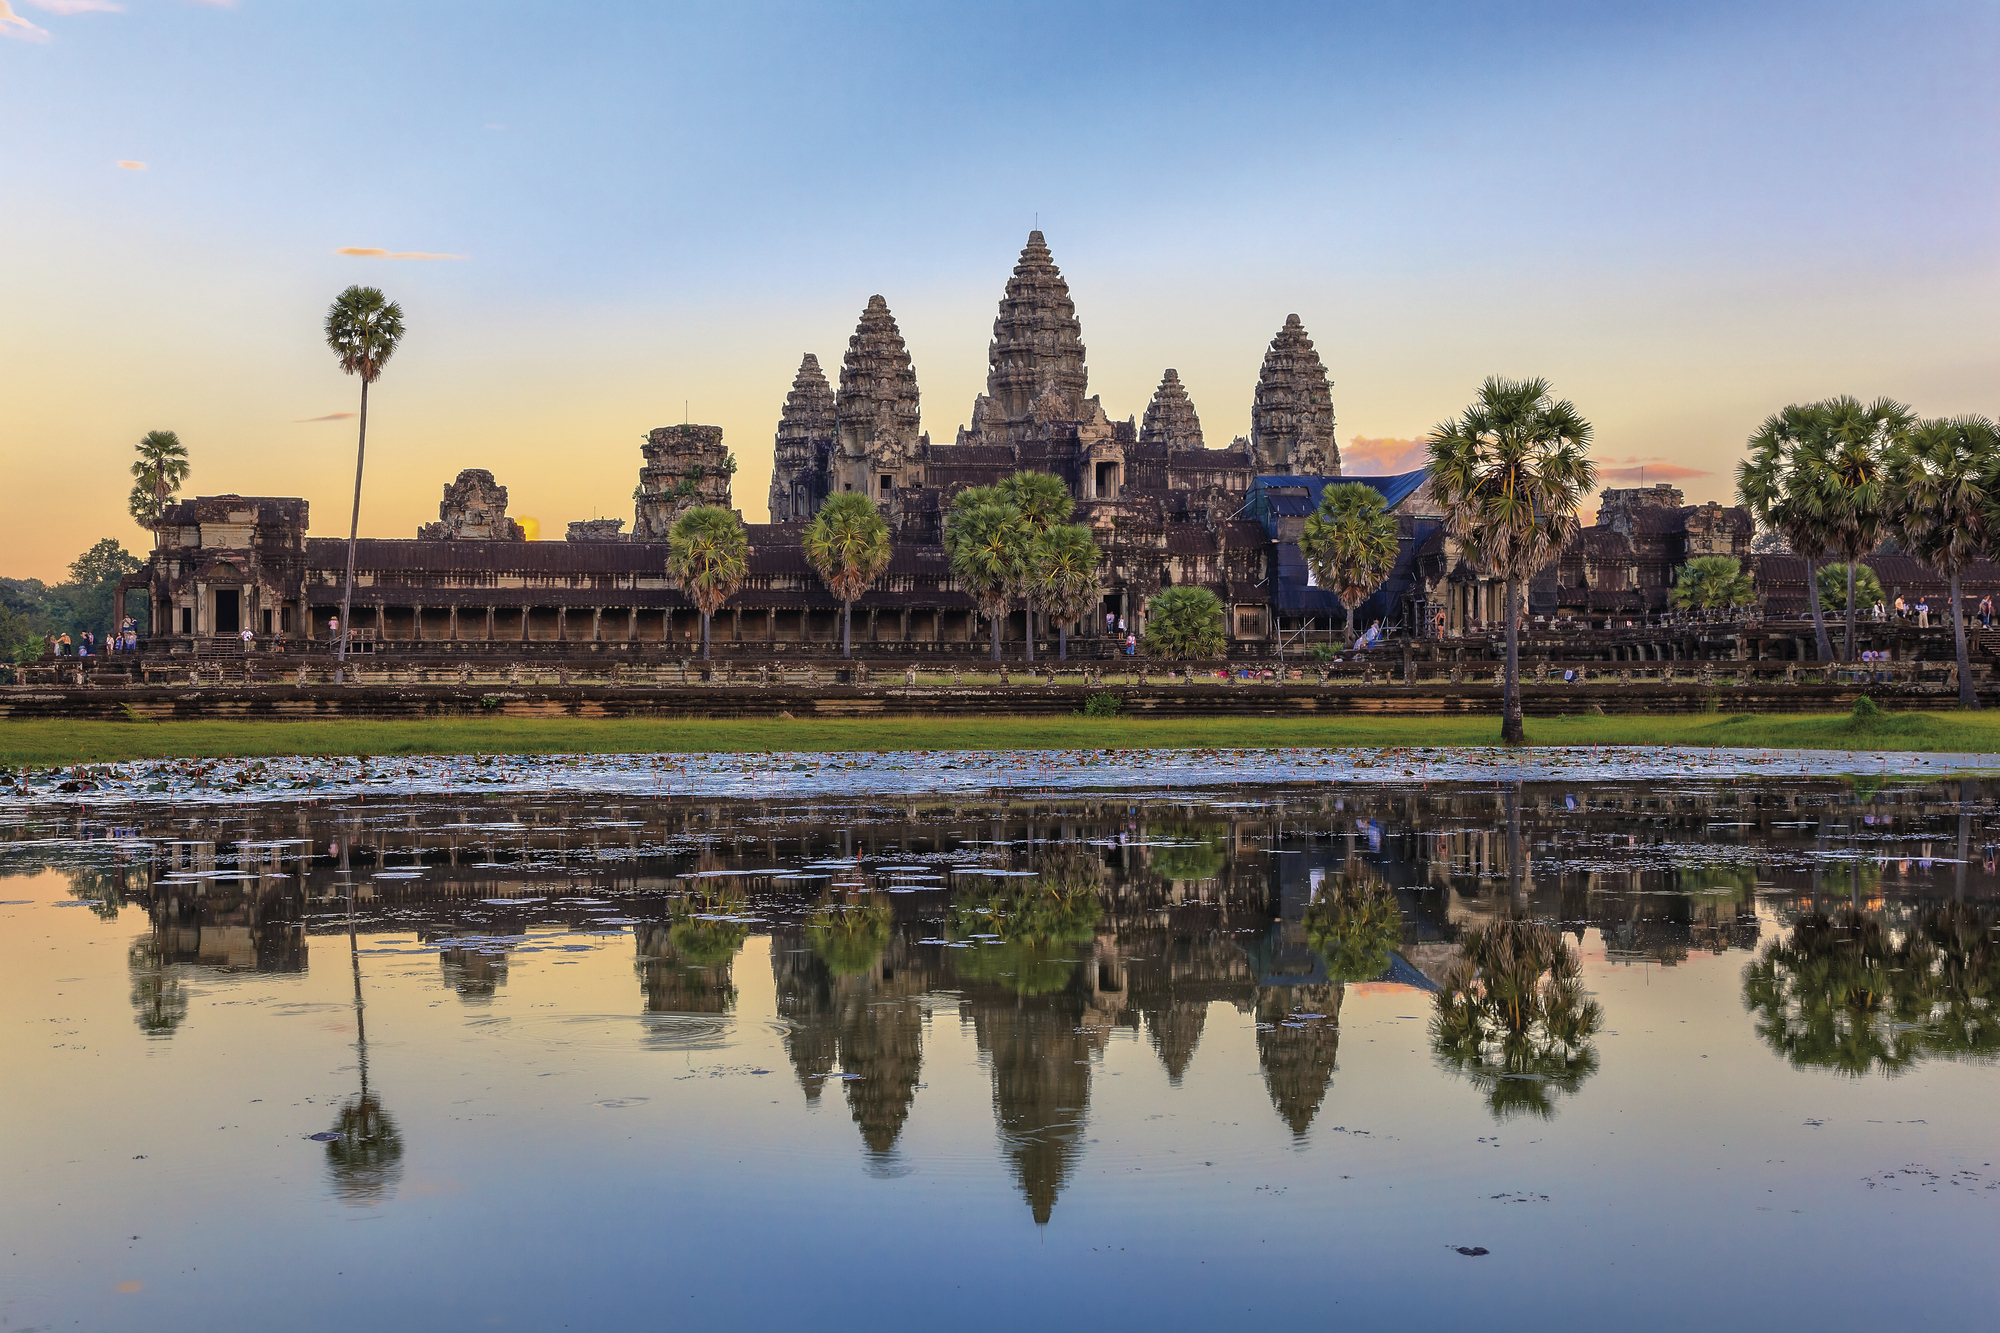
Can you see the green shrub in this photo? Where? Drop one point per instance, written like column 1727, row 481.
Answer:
column 1106, row 704
column 1183, row 622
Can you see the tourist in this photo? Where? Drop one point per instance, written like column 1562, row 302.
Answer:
column 333, row 628
column 248, row 638
column 1131, row 645
column 1986, row 612
column 1902, row 608
column 1923, row 613
column 1878, row 611
column 1438, row 620
column 62, row 645
column 87, row 645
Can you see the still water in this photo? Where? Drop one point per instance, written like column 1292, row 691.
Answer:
column 1543, row 1054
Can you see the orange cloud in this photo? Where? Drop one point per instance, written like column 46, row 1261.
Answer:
column 376, row 252
column 129, row 165
column 330, row 416
column 1387, row 456
column 13, row 25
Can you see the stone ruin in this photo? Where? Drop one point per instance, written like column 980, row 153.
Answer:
column 597, row 530
column 474, row 508
column 685, row 466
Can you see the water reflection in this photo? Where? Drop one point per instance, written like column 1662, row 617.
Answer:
column 1051, row 926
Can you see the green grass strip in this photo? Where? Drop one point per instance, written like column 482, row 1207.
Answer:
column 46, row 743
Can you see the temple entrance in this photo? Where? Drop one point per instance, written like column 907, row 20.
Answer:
column 228, row 610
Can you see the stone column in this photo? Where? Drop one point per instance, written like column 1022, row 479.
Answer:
column 491, row 613
column 596, row 624
column 451, row 631
column 200, row 609
column 771, row 625
column 632, row 625
column 416, row 624
column 562, row 624
column 903, row 634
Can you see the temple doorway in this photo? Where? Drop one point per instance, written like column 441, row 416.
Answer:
column 228, row 610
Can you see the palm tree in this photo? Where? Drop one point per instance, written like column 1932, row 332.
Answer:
column 1350, row 543
column 1067, row 560
column 709, row 552
column 1943, row 491
column 1044, row 503
column 848, row 546
column 1711, row 583
column 1509, row 475
column 1775, row 482
column 161, row 468
column 1184, row 621
column 363, row 328
column 1857, row 441
column 987, row 543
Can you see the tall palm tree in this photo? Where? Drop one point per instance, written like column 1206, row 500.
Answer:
column 1944, row 491
column 363, row 328
column 1350, row 543
column 1044, row 503
column 1858, row 439
column 1776, row 482
column 987, row 544
column 848, row 546
column 709, row 552
column 1067, row 561
column 1509, row 475
column 161, row 468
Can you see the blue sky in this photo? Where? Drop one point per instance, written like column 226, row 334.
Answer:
column 1684, row 215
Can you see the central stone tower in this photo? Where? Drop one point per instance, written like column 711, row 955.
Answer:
column 875, row 415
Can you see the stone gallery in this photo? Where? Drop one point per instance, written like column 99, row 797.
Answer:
column 1166, row 508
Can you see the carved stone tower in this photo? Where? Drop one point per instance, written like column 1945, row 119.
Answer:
column 875, row 414
column 1291, row 418
column 1035, row 372
column 474, row 508
column 805, row 441
column 1170, row 417
column 685, row 466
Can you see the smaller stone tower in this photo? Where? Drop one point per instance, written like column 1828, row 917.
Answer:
column 1291, row 417
column 685, row 466
column 805, row 442
column 474, row 508
column 1170, row 417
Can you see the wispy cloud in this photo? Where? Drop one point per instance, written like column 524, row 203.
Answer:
column 1382, row 457
column 129, row 165
column 376, row 252
column 330, row 416
column 13, row 25
column 68, row 7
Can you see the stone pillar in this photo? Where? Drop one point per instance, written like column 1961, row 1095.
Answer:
column 491, row 614
column 416, row 624
column 596, row 624
column 381, row 622
column 903, row 634
column 524, row 622
column 871, row 624
column 200, row 608
column 632, row 625
column 562, row 624
column 451, row 631
column 771, row 625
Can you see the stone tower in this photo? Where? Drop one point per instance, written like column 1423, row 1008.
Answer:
column 474, row 508
column 685, row 466
column 1291, row 418
column 875, row 414
column 1170, row 417
column 1035, row 372
column 804, row 444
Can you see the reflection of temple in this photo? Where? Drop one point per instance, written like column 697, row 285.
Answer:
column 868, row 1024
column 1298, row 1036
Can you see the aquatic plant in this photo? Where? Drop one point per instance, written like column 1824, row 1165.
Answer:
column 849, row 938
column 1354, row 924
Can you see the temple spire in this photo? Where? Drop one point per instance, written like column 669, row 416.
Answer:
column 1170, row 417
column 1291, row 417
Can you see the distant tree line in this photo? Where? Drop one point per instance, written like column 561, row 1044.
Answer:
column 31, row 610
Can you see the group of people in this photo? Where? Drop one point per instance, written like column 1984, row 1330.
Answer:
column 1114, row 627
column 126, row 640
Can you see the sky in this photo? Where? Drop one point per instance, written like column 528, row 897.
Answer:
column 603, row 218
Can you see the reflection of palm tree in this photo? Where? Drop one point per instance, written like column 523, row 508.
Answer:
column 103, row 890
column 685, row 965
column 1839, row 993
column 159, row 999
column 1188, row 851
column 366, row 1159
column 1512, row 1016
column 849, row 938
column 1024, row 930
column 1354, row 924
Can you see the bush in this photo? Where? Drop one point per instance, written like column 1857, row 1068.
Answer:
column 1183, row 622
column 1322, row 652
column 1833, row 588
column 1104, row 705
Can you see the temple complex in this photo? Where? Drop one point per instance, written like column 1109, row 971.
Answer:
column 1166, row 508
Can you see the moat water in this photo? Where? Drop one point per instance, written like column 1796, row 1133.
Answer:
column 305, row 1047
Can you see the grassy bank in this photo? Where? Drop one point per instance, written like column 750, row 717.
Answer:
column 47, row 743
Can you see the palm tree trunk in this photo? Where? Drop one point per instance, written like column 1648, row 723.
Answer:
column 704, row 636
column 1967, row 698
column 1848, row 655
column 1820, row 639
column 1031, row 629
column 846, row 629
column 1511, row 731
column 353, row 529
